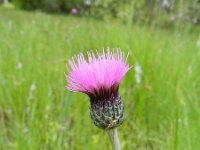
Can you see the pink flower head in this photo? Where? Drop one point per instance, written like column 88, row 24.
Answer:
column 74, row 11
column 99, row 75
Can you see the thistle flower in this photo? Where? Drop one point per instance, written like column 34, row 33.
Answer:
column 74, row 11
column 99, row 77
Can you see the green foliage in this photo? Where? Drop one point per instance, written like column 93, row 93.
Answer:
column 37, row 112
column 108, row 9
column 29, row 4
column 48, row 5
column 127, row 11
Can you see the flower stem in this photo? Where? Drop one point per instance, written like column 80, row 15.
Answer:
column 114, row 139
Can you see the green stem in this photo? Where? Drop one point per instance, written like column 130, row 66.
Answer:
column 114, row 139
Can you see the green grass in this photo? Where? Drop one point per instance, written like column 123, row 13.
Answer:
column 37, row 112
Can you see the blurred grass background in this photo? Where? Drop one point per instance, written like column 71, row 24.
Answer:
column 37, row 112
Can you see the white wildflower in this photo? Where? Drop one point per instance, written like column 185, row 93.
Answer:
column 87, row 2
column 31, row 92
column 25, row 130
column 15, row 82
column 138, row 73
column 194, row 20
column 140, row 135
column 50, row 93
column 19, row 65
column 33, row 87
column 180, row 15
column 190, row 70
column 48, row 108
column 9, row 111
column 46, row 116
column 165, row 3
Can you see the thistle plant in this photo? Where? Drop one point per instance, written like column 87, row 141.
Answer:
column 99, row 77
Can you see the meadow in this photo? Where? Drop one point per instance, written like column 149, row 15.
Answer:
column 38, row 112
